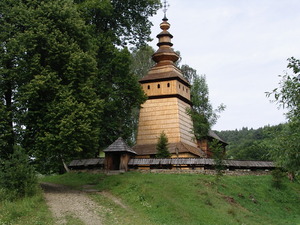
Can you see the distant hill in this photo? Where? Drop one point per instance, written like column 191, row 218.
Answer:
column 250, row 144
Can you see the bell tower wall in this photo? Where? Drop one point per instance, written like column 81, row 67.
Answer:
column 171, row 87
column 168, row 115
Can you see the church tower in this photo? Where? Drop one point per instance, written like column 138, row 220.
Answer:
column 166, row 108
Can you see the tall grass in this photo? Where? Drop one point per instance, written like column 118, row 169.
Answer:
column 26, row 211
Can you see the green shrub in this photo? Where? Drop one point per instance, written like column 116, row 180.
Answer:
column 277, row 178
column 17, row 177
column 162, row 146
column 218, row 156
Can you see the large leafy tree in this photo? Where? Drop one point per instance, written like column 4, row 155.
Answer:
column 287, row 95
column 66, row 87
column 52, row 72
column 141, row 60
column 123, row 21
column 203, row 114
column 113, row 25
column 10, row 27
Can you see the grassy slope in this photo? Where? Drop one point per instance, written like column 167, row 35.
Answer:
column 192, row 199
column 27, row 211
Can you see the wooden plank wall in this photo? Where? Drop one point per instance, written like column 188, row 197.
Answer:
column 168, row 115
column 166, row 88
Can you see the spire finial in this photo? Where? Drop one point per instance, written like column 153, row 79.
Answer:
column 166, row 5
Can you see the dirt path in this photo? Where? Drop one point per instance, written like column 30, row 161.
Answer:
column 64, row 202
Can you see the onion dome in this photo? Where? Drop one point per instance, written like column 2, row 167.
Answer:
column 165, row 58
column 165, row 54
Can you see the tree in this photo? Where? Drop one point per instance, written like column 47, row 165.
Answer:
column 141, row 60
column 17, row 176
column 250, row 150
column 122, row 94
column 287, row 95
column 122, row 22
column 188, row 72
column 287, row 152
column 218, row 156
column 202, row 112
column 251, row 144
column 10, row 29
column 162, row 146
column 66, row 86
column 57, row 102
column 113, row 25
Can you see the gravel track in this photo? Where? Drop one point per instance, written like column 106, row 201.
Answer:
column 63, row 201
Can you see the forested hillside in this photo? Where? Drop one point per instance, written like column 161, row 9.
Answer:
column 251, row 144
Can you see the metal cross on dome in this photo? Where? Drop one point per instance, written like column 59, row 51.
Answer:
column 166, row 5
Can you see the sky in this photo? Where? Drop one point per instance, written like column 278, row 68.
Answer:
column 241, row 47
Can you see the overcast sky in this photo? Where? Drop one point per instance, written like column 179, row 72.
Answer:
column 241, row 46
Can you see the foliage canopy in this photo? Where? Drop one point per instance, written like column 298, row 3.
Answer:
column 202, row 112
column 66, row 89
column 287, row 153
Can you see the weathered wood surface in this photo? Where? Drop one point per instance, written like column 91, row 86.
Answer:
column 168, row 115
column 87, row 162
column 202, row 162
column 119, row 146
column 179, row 161
column 166, row 88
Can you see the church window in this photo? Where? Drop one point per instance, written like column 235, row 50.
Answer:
column 148, row 86
column 158, row 86
column 179, row 86
column 168, row 85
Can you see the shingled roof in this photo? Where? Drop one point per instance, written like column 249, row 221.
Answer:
column 237, row 164
column 173, row 148
column 201, row 161
column 87, row 162
column 156, row 74
column 215, row 136
column 119, row 146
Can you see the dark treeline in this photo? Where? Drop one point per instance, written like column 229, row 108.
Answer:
column 251, row 144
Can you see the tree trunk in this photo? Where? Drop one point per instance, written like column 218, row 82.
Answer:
column 8, row 94
column 65, row 165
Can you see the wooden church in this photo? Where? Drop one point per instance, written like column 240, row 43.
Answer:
column 165, row 111
column 166, row 108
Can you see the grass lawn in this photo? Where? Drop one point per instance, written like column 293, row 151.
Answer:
column 191, row 198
